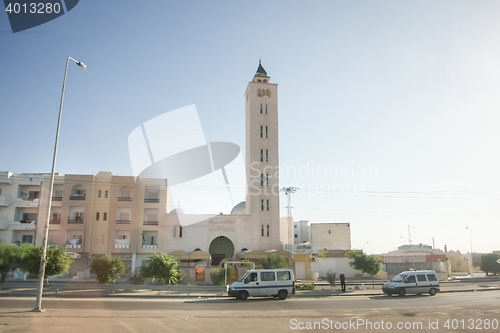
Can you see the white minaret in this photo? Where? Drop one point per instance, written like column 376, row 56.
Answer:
column 262, row 160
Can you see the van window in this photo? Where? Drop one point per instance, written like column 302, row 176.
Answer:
column 267, row 276
column 432, row 277
column 421, row 278
column 399, row 278
column 284, row 275
column 410, row 279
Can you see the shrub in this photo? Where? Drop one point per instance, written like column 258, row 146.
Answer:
column 217, row 275
column 331, row 276
column 137, row 278
column 107, row 269
column 305, row 286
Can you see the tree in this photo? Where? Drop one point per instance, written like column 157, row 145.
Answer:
column 10, row 259
column 364, row 263
column 162, row 267
column 272, row 261
column 489, row 263
column 57, row 260
column 107, row 269
column 331, row 276
column 218, row 275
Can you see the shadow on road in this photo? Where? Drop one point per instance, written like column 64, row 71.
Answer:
column 219, row 301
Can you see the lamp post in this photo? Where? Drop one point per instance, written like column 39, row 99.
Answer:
column 41, row 273
column 471, row 265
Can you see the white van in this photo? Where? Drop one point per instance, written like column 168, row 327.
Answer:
column 413, row 282
column 264, row 282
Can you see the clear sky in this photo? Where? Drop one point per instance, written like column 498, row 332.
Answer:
column 397, row 100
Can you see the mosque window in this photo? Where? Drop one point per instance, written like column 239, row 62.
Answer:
column 262, row 155
column 262, row 204
column 267, row 179
column 265, row 80
column 260, row 107
column 261, row 179
column 262, row 230
column 266, row 108
column 266, row 132
column 267, row 155
column 259, row 92
column 267, row 204
column 268, row 93
column 261, row 132
column 180, row 231
column 268, row 230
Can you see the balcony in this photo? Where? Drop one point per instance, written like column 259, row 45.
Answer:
column 59, row 198
column 151, row 200
column 122, row 246
column 75, row 221
column 150, row 223
column 124, row 198
column 73, row 246
column 149, row 246
column 123, row 221
column 77, row 197
column 55, row 221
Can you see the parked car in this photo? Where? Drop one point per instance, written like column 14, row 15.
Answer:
column 413, row 282
column 264, row 282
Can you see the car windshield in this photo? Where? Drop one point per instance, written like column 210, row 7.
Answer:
column 243, row 277
column 399, row 278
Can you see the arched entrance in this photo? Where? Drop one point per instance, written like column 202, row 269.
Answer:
column 220, row 248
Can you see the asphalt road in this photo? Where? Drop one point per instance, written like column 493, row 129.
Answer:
column 466, row 311
column 491, row 298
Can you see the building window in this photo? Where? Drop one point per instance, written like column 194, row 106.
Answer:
column 104, row 216
column 262, row 132
column 99, row 193
column 329, row 232
column 267, row 179
column 266, row 132
column 106, row 194
column 267, row 204
column 96, row 239
column 267, row 155
column 103, row 239
column 97, row 216
column 262, row 155
column 261, row 179
column 268, row 230
column 175, row 231
column 295, row 235
column 180, row 231
column 262, row 232
column 262, row 204
column 261, row 104
column 266, row 108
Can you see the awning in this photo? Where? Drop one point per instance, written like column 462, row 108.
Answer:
column 181, row 255
column 250, row 254
column 283, row 253
column 199, row 255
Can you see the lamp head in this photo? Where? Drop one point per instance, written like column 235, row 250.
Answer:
column 81, row 65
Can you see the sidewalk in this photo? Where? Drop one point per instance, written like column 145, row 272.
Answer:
column 94, row 290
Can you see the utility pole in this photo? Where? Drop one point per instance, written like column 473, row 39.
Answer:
column 288, row 192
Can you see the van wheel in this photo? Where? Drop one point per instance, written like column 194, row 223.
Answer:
column 243, row 295
column 389, row 294
column 282, row 294
column 432, row 292
column 402, row 292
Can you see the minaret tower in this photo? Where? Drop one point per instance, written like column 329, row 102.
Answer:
column 262, row 159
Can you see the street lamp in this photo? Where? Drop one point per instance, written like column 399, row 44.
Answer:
column 41, row 273
column 470, row 238
column 471, row 264
column 371, row 247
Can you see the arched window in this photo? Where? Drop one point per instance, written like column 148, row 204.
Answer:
column 265, row 80
column 268, row 93
column 259, row 92
column 244, row 249
column 259, row 80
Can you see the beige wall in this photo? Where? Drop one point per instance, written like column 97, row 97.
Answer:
column 331, row 236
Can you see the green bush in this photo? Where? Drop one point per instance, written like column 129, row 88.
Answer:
column 305, row 286
column 107, row 269
column 331, row 276
column 217, row 275
column 137, row 278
